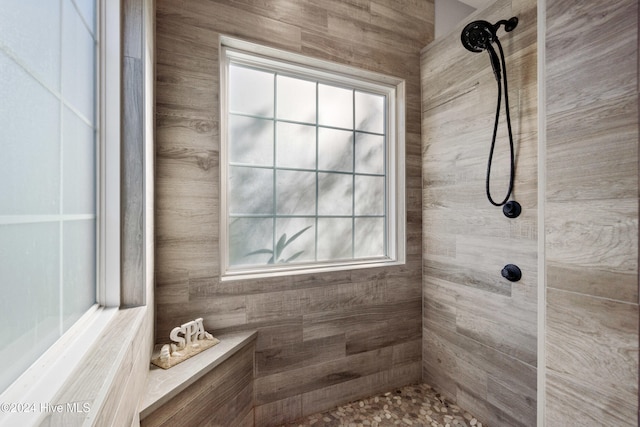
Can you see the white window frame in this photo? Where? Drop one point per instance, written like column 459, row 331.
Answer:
column 394, row 89
column 40, row 383
column 109, row 134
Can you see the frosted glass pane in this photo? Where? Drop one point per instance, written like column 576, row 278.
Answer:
column 251, row 140
column 78, row 63
column 303, row 247
column 296, row 100
column 335, row 193
column 369, row 197
column 79, row 156
column 250, row 190
column 369, row 237
column 296, row 192
column 334, row 238
column 369, row 153
column 29, row 164
column 31, row 30
column 88, row 12
column 296, row 146
column 369, row 112
column 79, row 269
column 29, row 266
column 247, row 235
column 335, row 106
column 251, row 91
column 335, row 150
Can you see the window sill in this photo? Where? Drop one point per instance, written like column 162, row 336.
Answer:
column 163, row 385
column 306, row 269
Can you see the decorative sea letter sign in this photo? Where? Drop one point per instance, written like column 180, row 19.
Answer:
column 187, row 340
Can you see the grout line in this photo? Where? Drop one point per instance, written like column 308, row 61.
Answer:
column 542, row 273
column 592, row 296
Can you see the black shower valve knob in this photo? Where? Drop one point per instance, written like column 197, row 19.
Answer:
column 511, row 272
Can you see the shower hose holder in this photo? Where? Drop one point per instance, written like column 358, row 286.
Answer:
column 512, row 209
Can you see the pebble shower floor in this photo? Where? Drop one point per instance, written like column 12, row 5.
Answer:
column 415, row 405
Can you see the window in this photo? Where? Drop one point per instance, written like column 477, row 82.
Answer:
column 310, row 175
column 50, row 202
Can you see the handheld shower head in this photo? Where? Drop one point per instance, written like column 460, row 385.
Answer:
column 478, row 36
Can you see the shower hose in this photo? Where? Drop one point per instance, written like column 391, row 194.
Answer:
column 495, row 131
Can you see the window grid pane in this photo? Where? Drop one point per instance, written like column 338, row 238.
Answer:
column 48, row 210
column 339, row 167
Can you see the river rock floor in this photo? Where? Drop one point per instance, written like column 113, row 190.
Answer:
column 415, row 405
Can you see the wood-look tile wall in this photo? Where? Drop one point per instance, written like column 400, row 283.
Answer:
column 134, row 203
column 480, row 330
column 591, row 217
column 323, row 338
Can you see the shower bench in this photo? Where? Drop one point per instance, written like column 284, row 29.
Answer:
column 215, row 386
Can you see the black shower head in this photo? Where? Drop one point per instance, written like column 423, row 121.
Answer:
column 479, row 35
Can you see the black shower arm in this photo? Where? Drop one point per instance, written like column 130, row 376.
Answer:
column 509, row 25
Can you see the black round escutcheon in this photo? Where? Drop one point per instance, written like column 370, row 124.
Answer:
column 512, row 209
column 511, row 272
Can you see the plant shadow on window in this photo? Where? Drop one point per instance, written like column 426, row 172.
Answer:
column 283, row 242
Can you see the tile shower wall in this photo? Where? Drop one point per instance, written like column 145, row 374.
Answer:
column 323, row 338
column 480, row 330
column 591, row 217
